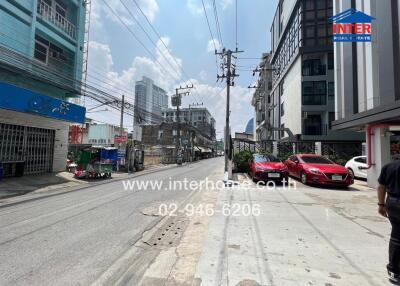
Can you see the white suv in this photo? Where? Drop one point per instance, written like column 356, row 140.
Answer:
column 356, row 165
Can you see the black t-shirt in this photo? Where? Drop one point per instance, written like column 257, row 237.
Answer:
column 390, row 177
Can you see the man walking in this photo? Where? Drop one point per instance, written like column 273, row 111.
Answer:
column 389, row 187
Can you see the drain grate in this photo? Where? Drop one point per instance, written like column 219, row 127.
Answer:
column 169, row 234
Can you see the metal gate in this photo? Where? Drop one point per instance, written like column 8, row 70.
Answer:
column 31, row 145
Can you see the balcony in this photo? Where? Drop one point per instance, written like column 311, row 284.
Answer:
column 49, row 14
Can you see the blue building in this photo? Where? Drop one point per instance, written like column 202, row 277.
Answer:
column 41, row 59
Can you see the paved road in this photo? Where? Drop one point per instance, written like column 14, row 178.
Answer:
column 72, row 238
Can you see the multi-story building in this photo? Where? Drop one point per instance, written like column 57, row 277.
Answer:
column 164, row 137
column 104, row 134
column 302, row 98
column 367, row 81
column 261, row 100
column 41, row 56
column 150, row 101
column 200, row 118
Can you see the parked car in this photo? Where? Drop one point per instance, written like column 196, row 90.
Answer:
column 356, row 167
column 265, row 167
column 315, row 169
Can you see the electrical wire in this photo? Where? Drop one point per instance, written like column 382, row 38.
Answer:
column 211, row 34
column 236, row 23
column 217, row 23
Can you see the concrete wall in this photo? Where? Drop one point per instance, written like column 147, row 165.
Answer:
column 60, row 127
column 292, row 98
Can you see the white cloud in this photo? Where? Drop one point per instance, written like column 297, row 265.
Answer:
column 195, row 7
column 100, row 11
column 210, row 45
column 165, row 70
column 226, row 3
column 149, row 7
column 203, row 75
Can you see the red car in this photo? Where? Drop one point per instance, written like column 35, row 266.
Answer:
column 265, row 167
column 315, row 169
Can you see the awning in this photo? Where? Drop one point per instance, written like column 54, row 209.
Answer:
column 203, row 150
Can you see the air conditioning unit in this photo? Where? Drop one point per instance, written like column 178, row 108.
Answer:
column 57, row 55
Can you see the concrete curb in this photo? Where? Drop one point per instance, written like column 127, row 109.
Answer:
column 51, row 193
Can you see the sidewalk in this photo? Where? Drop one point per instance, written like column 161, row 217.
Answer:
column 308, row 236
column 16, row 186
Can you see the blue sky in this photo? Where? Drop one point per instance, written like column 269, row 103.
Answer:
column 118, row 59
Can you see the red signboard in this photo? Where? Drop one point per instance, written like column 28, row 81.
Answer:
column 120, row 139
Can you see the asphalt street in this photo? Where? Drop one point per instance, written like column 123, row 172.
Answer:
column 73, row 238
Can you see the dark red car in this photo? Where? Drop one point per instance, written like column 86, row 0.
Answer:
column 265, row 167
column 315, row 169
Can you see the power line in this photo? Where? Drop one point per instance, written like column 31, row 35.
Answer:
column 150, row 39
column 140, row 42
column 211, row 34
column 217, row 23
column 236, row 23
column 161, row 40
column 134, row 35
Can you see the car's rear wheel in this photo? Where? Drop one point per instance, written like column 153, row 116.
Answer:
column 303, row 178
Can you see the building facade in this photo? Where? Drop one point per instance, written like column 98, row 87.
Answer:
column 104, row 134
column 302, row 98
column 162, row 139
column 150, row 101
column 261, row 101
column 199, row 118
column 41, row 56
column 368, row 81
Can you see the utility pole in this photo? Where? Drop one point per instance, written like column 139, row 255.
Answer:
column 121, row 126
column 230, row 74
column 177, row 101
column 191, row 124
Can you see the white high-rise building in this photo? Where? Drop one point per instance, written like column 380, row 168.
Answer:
column 150, row 101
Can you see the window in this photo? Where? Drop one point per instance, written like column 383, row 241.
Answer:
column 331, row 90
column 321, row 4
column 60, row 10
column 362, row 160
column 331, row 119
column 314, row 93
column 265, row 158
column 309, row 5
column 321, row 31
column 41, row 52
column 330, row 61
column 310, row 31
column 313, row 67
column 282, row 108
column 316, row 160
